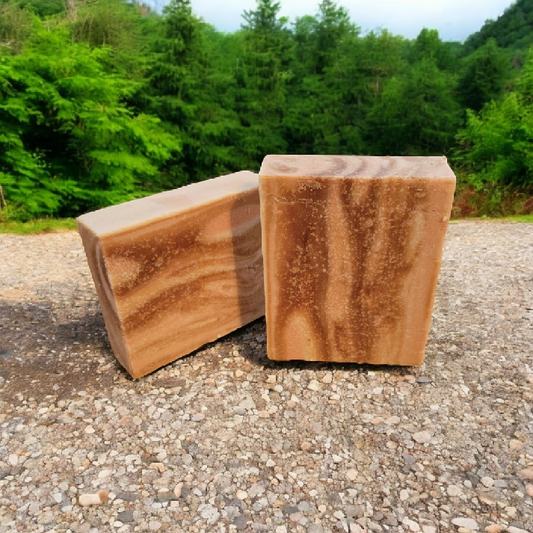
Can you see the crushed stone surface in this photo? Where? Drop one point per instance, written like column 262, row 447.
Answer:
column 225, row 440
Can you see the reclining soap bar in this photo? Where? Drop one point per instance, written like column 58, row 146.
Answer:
column 352, row 249
column 178, row 269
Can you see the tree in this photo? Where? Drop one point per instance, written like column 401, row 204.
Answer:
column 484, row 77
column 117, row 24
column 261, row 76
column 264, row 18
column 185, row 92
column 318, row 116
column 496, row 145
column 333, row 26
column 511, row 31
column 428, row 46
column 69, row 142
column 378, row 57
column 363, row 68
column 416, row 113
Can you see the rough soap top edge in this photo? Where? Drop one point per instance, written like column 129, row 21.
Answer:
column 162, row 205
column 353, row 166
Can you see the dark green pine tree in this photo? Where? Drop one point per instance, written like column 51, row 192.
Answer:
column 416, row 113
column 361, row 70
column 185, row 92
column 428, row 45
column 261, row 77
column 484, row 77
column 318, row 117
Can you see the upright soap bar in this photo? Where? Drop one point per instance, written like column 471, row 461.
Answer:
column 178, row 269
column 352, row 249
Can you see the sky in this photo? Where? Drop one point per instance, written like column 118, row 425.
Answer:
column 454, row 19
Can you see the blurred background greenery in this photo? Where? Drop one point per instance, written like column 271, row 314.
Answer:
column 103, row 101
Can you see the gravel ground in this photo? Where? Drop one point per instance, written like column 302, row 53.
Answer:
column 225, row 440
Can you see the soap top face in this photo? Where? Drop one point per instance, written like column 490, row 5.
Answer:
column 353, row 166
column 158, row 206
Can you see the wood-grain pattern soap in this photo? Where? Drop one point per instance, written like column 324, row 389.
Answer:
column 352, row 249
column 178, row 269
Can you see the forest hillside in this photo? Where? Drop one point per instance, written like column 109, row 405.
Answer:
column 102, row 101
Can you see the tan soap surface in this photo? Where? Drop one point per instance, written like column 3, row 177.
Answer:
column 178, row 269
column 352, row 249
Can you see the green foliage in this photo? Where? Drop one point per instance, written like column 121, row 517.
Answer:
column 69, row 142
column 106, row 23
column 16, row 26
column 512, row 30
column 261, row 76
column 416, row 113
column 43, row 8
column 484, row 77
column 496, row 146
column 264, row 18
column 428, row 46
column 186, row 92
column 321, row 114
column 102, row 101
column 22, row 171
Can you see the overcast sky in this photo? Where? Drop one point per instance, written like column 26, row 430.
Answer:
column 455, row 19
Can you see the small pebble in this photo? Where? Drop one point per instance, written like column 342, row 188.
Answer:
column 314, row 385
column 494, row 528
column 328, row 378
column 125, row 516
column 526, row 473
column 422, row 437
column 411, row 525
column 454, row 490
column 466, row 523
column 487, row 481
column 351, row 474
column 178, row 489
column 86, row 500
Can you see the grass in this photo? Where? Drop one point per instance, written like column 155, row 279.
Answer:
column 519, row 218
column 41, row 225
column 512, row 218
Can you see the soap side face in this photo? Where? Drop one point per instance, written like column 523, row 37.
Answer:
column 351, row 265
column 106, row 296
column 173, row 284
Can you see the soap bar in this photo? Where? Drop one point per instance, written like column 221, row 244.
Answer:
column 177, row 270
column 352, row 249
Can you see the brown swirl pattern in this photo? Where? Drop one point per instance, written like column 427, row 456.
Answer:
column 352, row 264
column 170, row 285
